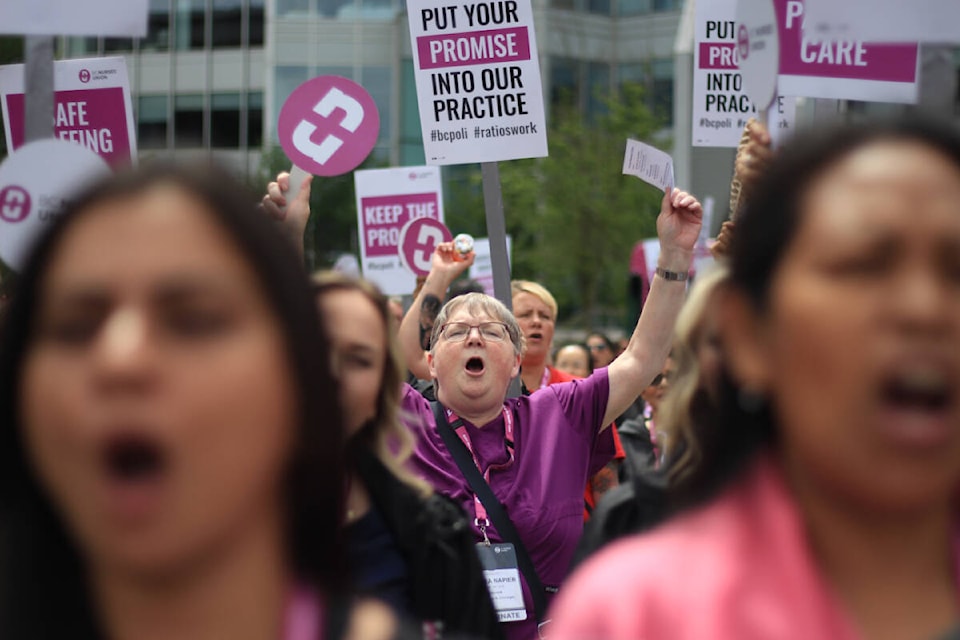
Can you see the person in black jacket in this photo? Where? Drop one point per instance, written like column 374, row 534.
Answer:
column 408, row 545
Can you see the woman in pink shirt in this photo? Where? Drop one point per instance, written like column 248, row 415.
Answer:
column 823, row 504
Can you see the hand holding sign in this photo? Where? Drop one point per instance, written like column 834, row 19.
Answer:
column 293, row 216
column 328, row 126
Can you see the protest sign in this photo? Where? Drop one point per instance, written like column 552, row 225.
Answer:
column 758, row 52
column 386, row 200
column 74, row 18
column 418, row 240
column 935, row 21
column 328, row 126
column 650, row 164
column 721, row 106
column 478, row 80
column 482, row 268
column 35, row 183
column 844, row 70
column 91, row 107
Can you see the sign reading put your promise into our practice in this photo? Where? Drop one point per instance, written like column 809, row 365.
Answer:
column 478, row 80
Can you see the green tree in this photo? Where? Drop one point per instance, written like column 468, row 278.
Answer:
column 574, row 217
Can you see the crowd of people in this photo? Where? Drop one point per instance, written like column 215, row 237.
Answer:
column 201, row 440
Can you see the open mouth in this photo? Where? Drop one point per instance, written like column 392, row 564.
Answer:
column 475, row 365
column 918, row 391
column 134, row 459
column 536, row 335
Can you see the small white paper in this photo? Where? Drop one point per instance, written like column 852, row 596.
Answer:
column 650, row 164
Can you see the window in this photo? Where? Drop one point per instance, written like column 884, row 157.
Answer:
column 662, row 90
column 188, row 29
column 225, row 121
column 297, row 7
column 255, row 119
column 255, row 23
column 599, row 78
column 188, row 121
column 227, row 23
column 152, row 119
column 564, row 82
column 111, row 45
column 158, row 27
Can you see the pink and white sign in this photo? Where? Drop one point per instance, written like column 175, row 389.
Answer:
column 478, row 80
column 935, row 21
column 482, row 268
column 387, row 199
column 328, row 126
column 845, row 69
column 721, row 105
column 418, row 240
column 36, row 181
column 91, row 107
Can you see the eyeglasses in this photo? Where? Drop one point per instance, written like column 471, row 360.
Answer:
column 458, row 331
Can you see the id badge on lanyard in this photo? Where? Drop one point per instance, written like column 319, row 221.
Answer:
column 502, row 573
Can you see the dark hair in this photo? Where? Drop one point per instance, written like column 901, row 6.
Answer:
column 45, row 587
column 764, row 232
column 461, row 286
column 580, row 345
column 606, row 340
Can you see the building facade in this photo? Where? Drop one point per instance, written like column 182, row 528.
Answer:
column 211, row 75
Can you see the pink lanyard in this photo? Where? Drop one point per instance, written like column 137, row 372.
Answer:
column 303, row 617
column 545, row 378
column 481, row 521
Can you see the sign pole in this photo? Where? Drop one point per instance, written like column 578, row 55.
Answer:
column 497, row 232
column 38, row 85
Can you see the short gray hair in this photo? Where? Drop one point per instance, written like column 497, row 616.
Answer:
column 476, row 304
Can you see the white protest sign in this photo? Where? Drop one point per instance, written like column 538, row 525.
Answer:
column 91, row 107
column 386, row 200
column 478, row 80
column 482, row 268
column 35, row 183
column 758, row 48
column 884, row 20
column 721, row 106
column 74, row 18
column 648, row 163
column 651, row 253
column 844, row 70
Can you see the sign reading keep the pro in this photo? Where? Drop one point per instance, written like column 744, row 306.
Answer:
column 478, row 80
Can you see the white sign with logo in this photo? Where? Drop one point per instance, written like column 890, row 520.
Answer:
column 884, row 20
column 386, row 200
column 482, row 268
column 721, row 106
column 36, row 181
column 478, row 80
column 758, row 48
column 74, row 17
column 91, row 107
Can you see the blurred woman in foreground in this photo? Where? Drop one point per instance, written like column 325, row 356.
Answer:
column 824, row 498
column 172, row 441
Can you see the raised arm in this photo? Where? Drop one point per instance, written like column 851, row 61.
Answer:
column 444, row 269
column 293, row 214
column 678, row 227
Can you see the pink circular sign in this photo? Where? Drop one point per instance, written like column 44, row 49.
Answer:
column 418, row 240
column 328, row 125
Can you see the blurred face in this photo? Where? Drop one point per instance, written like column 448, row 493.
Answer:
column 860, row 347
column 472, row 374
column 573, row 360
column 653, row 394
column 157, row 400
column 537, row 324
column 359, row 341
column 600, row 353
